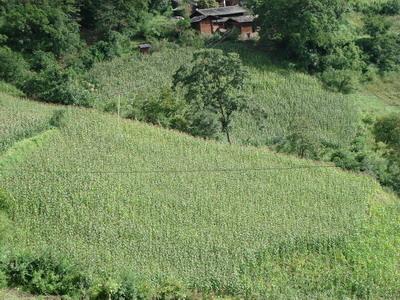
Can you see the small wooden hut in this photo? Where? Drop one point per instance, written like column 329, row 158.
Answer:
column 144, row 48
column 211, row 20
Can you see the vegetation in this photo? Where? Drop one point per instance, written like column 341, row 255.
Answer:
column 212, row 83
column 207, row 3
column 318, row 36
column 95, row 205
column 112, row 215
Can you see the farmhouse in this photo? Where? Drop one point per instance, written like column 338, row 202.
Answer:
column 211, row 20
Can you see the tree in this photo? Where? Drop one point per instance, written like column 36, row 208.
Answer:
column 381, row 46
column 212, row 83
column 304, row 29
column 113, row 15
column 40, row 25
column 387, row 130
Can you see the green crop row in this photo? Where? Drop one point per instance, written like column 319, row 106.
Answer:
column 117, row 196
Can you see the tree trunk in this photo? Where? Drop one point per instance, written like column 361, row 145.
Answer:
column 227, row 136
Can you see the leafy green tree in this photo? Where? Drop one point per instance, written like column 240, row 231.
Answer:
column 40, row 25
column 381, row 45
column 304, row 29
column 387, row 130
column 301, row 139
column 113, row 15
column 212, row 83
column 13, row 67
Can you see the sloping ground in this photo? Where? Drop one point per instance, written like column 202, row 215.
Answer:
column 387, row 90
column 278, row 98
column 21, row 119
column 118, row 196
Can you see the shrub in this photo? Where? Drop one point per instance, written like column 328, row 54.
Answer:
column 157, row 26
column 376, row 25
column 5, row 201
column 171, row 290
column 125, row 289
column 56, row 85
column 191, row 38
column 301, row 140
column 3, row 280
column 44, row 274
column 344, row 81
column 391, row 7
column 13, row 67
column 387, row 130
column 114, row 45
column 166, row 110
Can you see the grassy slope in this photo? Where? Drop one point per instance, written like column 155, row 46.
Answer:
column 277, row 95
column 382, row 95
column 17, row 123
column 278, row 232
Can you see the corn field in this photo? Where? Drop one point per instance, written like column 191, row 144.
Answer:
column 275, row 96
column 119, row 196
column 21, row 119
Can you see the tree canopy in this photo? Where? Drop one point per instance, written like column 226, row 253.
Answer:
column 212, row 82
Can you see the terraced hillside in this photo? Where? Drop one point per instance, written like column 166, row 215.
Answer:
column 118, row 196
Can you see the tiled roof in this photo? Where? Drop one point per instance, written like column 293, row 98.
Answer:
column 222, row 11
column 197, row 19
column 243, row 19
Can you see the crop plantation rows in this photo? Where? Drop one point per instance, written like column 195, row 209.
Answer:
column 276, row 98
column 119, row 196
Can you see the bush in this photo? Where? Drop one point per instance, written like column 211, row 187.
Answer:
column 44, row 275
column 57, row 85
column 3, row 280
column 171, row 290
column 5, row 201
column 344, row 81
column 191, row 38
column 113, row 45
column 387, row 130
column 13, row 67
column 301, row 140
column 376, row 25
column 391, row 8
column 383, row 51
column 166, row 110
column 158, row 26
column 125, row 289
